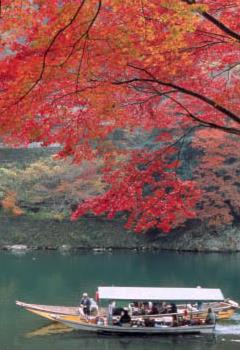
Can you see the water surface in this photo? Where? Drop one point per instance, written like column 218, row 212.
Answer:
column 54, row 278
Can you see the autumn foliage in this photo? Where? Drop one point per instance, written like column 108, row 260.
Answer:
column 217, row 175
column 73, row 72
column 9, row 204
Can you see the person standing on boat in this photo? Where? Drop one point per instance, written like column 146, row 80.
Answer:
column 111, row 308
column 211, row 317
column 85, row 304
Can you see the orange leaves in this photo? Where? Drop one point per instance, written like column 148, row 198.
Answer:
column 9, row 204
column 66, row 57
column 77, row 73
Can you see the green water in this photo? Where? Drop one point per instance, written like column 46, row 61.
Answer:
column 53, row 278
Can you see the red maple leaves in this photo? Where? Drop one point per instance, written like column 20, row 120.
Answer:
column 148, row 192
column 75, row 72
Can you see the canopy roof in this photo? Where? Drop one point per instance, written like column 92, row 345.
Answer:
column 161, row 294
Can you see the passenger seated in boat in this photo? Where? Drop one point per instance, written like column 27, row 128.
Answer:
column 163, row 309
column 211, row 317
column 191, row 308
column 85, row 304
column 195, row 322
column 117, row 311
column 142, row 310
column 149, row 322
column 173, row 309
column 154, row 310
column 134, row 308
column 139, row 322
column 125, row 318
column 175, row 322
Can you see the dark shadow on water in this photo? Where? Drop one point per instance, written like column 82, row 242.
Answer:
column 88, row 340
column 226, row 337
column 55, row 328
column 182, row 342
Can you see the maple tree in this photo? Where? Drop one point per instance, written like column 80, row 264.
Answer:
column 73, row 72
column 217, row 174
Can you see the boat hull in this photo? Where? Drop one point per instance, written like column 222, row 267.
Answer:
column 50, row 312
column 164, row 330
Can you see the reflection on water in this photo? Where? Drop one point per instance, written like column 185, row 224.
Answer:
column 53, row 328
column 52, row 278
column 89, row 341
column 223, row 335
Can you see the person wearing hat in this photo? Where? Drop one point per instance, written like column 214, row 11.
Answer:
column 85, row 304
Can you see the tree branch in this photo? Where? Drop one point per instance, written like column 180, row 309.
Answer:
column 205, row 123
column 216, row 22
column 221, row 26
column 85, row 34
column 53, row 40
column 181, row 89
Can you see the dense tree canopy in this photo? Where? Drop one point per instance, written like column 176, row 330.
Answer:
column 74, row 72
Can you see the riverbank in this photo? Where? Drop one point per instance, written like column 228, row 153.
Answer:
column 100, row 234
column 45, row 193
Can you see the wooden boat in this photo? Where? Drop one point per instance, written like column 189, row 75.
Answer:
column 224, row 309
column 163, row 324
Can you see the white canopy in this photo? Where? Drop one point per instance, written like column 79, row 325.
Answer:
column 161, row 294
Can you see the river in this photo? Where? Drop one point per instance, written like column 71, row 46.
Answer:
column 55, row 278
